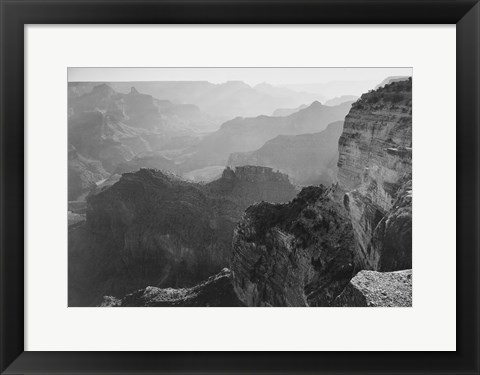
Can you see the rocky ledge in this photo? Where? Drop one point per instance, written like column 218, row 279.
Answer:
column 216, row 291
column 377, row 289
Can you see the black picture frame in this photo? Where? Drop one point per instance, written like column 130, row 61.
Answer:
column 16, row 13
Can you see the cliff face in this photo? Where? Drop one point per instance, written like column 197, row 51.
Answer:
column 216, row 291
column 305, row 253
column 295, row 254
column 307, row 159
column 374, row 167
column 154, row 229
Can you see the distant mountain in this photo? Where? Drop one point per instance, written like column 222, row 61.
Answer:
column 391, row 79
column 227, row 100
column 111, row 127
column 341, row 99
column 83, row 173
column 281, row 112
column 249, row 134
column 308, row 159
column 335, row 88
column 147, row 160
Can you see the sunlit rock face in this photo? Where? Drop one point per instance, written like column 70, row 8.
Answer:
column 151, row 228
column 377, row 289
column 216, row 291
column 295, row 254
column 374, row 167
column 305, row 253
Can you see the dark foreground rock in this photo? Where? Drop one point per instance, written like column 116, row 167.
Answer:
column 295, row 254
column 377, row 289
column 216, row 291
column 151, row 228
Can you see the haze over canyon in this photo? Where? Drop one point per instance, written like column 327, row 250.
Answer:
column 192, row 193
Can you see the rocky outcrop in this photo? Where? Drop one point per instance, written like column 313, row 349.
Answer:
column 308, row 159
column 295, row 254
column 375, row 164
column 305, row 253
column 377, row 289
column 152, row 228
column 216, row 291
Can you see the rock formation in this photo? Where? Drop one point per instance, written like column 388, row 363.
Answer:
column 304, row 253
column 377, row 289
column 153, row 229
column 111, row 128
column 216, row 291
column 308, row 159
column 375, row 164
column 295, row 254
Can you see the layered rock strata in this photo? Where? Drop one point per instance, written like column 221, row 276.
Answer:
column 304, row 253
column 374, row 170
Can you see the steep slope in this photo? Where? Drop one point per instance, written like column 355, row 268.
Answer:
column 391, row 79
column 153, row 229
column 111, row 127
column 295, row 254
column 243, row 135
column 216, row 291
column 306, row 252
column 308, row 159
column 375, row 164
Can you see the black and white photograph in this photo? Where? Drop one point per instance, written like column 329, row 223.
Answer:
column 240, row 187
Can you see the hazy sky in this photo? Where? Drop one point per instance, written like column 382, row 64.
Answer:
column 251, row 76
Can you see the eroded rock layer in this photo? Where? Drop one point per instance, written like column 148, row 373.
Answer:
column 295, row 254
column 305, row 252
column 375, row 165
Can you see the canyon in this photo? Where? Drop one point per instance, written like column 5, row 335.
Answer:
column 152, row 228
column 310, row 207
column 304, row 253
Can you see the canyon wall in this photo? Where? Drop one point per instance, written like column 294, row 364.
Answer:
column 153, row 229
column 375, row 170
column 305, row 253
